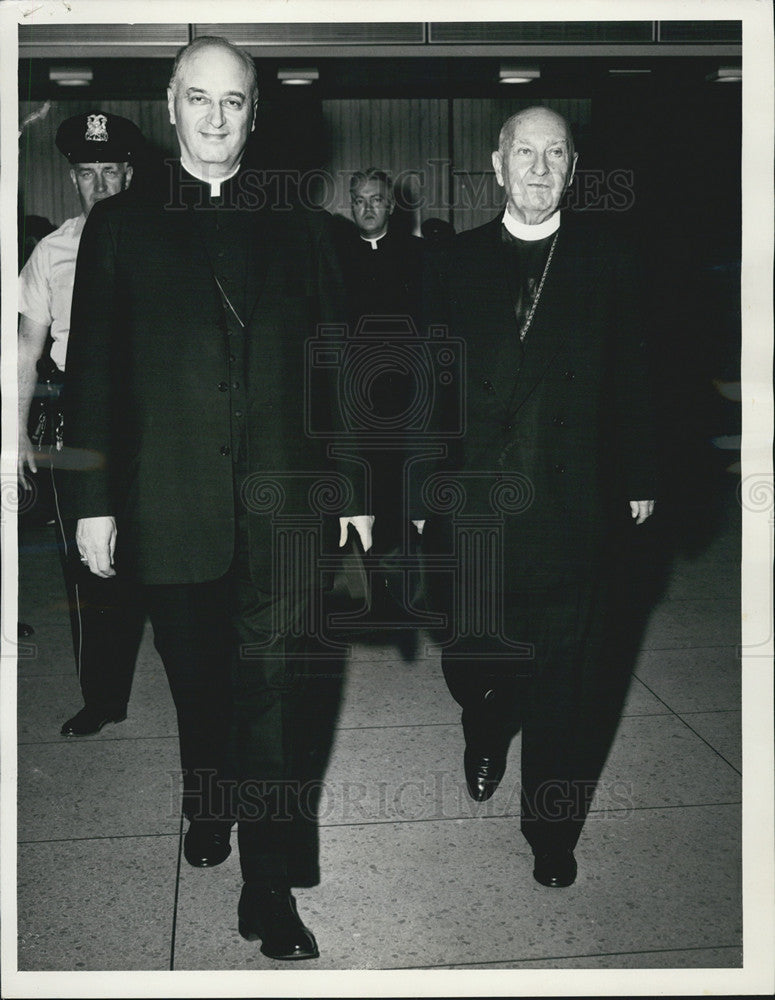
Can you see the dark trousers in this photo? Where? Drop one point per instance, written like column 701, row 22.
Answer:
column 192, row 634
column 551, row 696
column 255, row 720
column 265, row 675
column 106, row 622
column 286, row 687
column 393, row 592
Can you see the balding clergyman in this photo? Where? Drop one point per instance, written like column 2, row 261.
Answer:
column 556, row 446
column 191, row 316
column 105, row 617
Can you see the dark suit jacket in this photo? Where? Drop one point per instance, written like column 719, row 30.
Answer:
column 556, row 435
column 383, row 301
column 378, row 282
column 147, row 356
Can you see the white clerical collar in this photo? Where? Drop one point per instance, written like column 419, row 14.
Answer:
column 214, row 182
column 538, row 232
column 373, row 242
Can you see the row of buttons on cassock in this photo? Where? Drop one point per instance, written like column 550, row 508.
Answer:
column 224, row 387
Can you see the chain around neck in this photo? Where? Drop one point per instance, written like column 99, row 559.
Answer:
column 529, row 320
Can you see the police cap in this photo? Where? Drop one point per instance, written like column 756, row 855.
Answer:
column 98, row 137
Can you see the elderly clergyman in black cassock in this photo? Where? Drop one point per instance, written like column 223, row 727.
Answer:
column 555, row 447
column 191, row 316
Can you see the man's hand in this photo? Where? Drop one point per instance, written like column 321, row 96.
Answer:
column 26, row 457
column 362, row 524
column 641, row 509
column 96, row 541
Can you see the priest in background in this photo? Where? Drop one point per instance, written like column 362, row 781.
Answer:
column 381, row 265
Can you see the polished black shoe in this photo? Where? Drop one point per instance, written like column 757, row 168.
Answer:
column 271, row 915
column 89, row 721
column 206, row 843
column 483, row 773
column 556, row 869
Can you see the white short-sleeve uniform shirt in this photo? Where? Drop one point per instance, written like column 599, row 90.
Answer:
column 46, row 284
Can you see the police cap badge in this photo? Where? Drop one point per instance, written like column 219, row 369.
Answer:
column 98, row 137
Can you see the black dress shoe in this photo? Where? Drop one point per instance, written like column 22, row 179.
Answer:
column 206, row 843
column 556, row 869
column 23, row 630
column 89, row 721
column 271, row 915
column 483, row 773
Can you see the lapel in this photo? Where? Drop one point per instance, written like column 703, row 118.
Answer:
column 261, row 245
column 550, row 328
column 176, row 219
column 258, row 249
column 486, row 286
column 516, row 369
column 491, row 257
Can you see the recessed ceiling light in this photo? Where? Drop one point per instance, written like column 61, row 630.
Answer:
column 726, row 74
column 67, row 76
column 518, row 74
column 298, row 77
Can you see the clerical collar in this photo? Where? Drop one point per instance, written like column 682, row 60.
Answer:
column 538, row 232
column 214, row 182
column 374, row 241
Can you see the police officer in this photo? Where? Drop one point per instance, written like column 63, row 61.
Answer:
column 106, row 620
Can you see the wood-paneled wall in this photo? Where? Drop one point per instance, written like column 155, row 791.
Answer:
column 410, row 138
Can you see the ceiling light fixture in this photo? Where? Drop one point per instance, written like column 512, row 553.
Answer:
column 298, row 77
column 726, row 74
column 69, row 76
column 518, row 74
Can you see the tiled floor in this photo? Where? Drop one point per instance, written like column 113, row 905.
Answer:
column 414, row 875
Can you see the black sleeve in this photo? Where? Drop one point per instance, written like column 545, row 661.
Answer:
column 332, row 296
column 89, row 392
column 632, row 376
column 436, row 330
